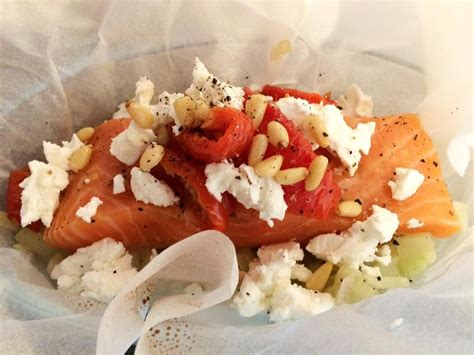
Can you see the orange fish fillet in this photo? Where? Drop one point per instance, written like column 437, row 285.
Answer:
column 398, row 141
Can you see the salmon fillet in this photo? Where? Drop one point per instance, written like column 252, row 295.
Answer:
column 398, row 141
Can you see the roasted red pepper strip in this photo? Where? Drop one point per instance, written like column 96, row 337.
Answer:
column 319, row 203
column 279, row 92
column 234, row 130
column 14, row 197
column 176, row 164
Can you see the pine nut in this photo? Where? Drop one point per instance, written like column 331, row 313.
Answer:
column 201, row 112
column 317, row 168
column 255, row 108
column 277, row 134
column 269, row 167
column 151, row 157
column 162, row 135
column 184, row 107
column 257, row 149
column 291, row 176
column 80, row 158
column 318, row 280
column 140, row 114
column 349, row 209
column 316, row 128
column 85, row 134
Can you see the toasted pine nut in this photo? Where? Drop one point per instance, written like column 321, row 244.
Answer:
column 277, row 134
column 280, row 49
column 257, row 149
column 349, row 209
column 140, row 114
column 255, row 108
column 316, row 128
column 291, row 176
column 318, row 280
column 201, row 112
column 162, row 135
column 85, row 134
column 317, row 168
column 80, row 158
column 269, row 167
column 151, row 157
column 184, row 107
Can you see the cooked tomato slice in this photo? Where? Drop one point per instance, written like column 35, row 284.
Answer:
column 319, row 203
column 226, row 135
column 191, row 174
column 277, row 93
column 14, row 197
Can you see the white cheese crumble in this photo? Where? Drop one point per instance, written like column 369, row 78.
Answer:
column 89, row 210
column 251, row 190
column 358, row 245
column 165, row 110
column 143, row 95
column 296, row 109
column 129, row 145
column 119, row 184
column 344, row 141
column 59, row 156
column 267, row 287
column 211, row 90
column 407, row 182
column 148, row 189
column 194, row 289
column 98, row 271
column 300, row 273
column 40, row 195
column 414, row 223
column 355, row 103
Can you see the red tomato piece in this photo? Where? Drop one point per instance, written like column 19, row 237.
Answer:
column 175, row 164
column 278, row 92
column 319, row 203
column 14, row 197
column 227, row 135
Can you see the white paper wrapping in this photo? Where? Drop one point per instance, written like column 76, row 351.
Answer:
column 68, row 64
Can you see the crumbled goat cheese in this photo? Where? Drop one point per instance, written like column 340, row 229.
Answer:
column 147, row 188
column 296, row 109
column 129, row 145
column 344, row 141
column 300, row 273
column 194, row 289
column 143, row 95
column 59, row 156
column 89, row 210
column 252, row 191
column 357, row 245
column 355, row 103
column 414, row 223
column 407, row 182
column 98, row 271
column 211, row 90
column 165, row 110
column 119, row 184
column 267, row 287
column 40, row 195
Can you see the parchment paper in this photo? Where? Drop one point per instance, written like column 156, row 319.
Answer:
column 68, row 64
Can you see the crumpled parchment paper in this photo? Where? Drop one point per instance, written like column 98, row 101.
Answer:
column 65, row 65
